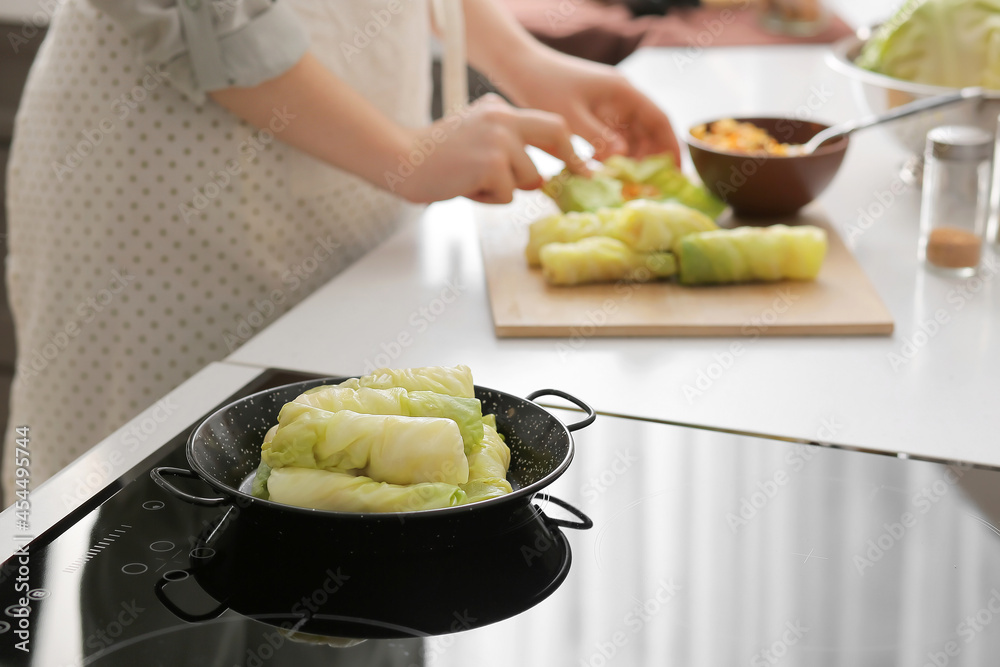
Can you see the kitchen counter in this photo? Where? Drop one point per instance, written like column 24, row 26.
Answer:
column 928, row 390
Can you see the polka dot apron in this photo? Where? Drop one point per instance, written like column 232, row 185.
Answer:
column 149, row 237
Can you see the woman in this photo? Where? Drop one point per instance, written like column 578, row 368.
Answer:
column 163, row 208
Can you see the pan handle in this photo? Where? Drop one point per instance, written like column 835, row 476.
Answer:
column 584, row 523
column 586, row 421
column 158, row 476
column 172, row 607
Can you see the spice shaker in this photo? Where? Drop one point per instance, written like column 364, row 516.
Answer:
column 955, row 202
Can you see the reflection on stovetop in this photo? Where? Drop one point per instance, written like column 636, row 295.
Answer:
column 325, row 586
column 708, row 549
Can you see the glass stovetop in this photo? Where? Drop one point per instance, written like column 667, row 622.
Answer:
column 708, row 549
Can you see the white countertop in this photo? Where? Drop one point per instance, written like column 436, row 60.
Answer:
column 420, row 299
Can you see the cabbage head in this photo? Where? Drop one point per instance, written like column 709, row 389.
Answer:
column 952, row 43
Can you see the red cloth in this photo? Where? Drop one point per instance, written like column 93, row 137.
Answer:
column 609, row 33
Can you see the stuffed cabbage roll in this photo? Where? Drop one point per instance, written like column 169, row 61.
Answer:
column 488, row 464
column 752, row 253
column 489, row 458
column 450, row 380
column 602, row 259
column 566, row 228
column 344, row 492
column 643, row 225
column 655, row 226
column 466, row 412
column 387, row 448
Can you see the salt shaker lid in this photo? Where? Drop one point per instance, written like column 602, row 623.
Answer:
column 959, row 142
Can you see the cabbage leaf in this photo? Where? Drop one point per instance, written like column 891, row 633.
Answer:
column 344, row 492
column 621, row 179
column 660, row 172
column 581, row 193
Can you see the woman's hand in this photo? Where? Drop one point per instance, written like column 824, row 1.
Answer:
column 479, row 153
column 476, row 153
column 598, row 103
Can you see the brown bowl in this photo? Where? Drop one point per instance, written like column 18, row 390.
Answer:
column 768, row 186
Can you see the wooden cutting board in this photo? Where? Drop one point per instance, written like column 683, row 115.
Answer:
column 840, row 301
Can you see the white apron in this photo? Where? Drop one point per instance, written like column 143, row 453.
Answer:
column 149, row 237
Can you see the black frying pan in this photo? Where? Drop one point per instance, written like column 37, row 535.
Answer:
column 405, row 573
column 224, row 451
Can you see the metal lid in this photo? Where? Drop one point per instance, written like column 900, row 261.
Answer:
column 959, row 142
